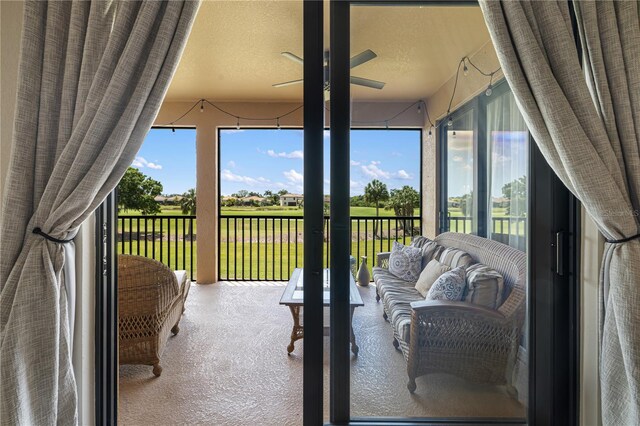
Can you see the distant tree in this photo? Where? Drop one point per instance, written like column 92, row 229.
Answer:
column 282, row 192
column 272, row 198
column 188, row 202
column 516, row 192
column 376, row 192
column 241, row 194
column 403, row 202
column 136, row 191
column 188, row 206
column 466, row 204
column 254, row 194
column 358, row 201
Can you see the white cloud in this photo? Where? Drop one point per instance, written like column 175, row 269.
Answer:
column 373, row 171
column 355, row 163
column 293, row 176
column 292, row 154
column 228, row 175
column 402, row 174
column 140, row 163
column 231, row 164
column 457, row 158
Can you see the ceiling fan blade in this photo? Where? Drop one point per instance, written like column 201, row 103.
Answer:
column 287, row 83
column 367, row 83
column 294, row 58
column 361, row 58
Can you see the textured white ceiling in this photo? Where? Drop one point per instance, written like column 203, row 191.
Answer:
column 233, row 53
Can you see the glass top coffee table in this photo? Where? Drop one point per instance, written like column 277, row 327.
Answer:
column 293, row 298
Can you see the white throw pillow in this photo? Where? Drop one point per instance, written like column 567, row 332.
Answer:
column 429, row 275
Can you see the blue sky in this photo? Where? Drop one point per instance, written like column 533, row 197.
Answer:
column 259, row 160
column 170, row 158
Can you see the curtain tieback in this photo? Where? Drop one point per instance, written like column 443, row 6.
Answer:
column 624, row 240
column 49, row 237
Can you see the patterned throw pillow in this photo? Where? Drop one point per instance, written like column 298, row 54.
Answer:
column 405, row 262
column 449, row 286
column 455, row 257
column 484, row 286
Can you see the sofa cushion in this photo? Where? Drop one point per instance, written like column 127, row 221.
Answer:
column 430, row 249
column 420, row 241
column 484, row 286
column 384, row 280
column 429, row 275
column 405, row 262
column 449, row 286
column 455, row 257
column 398, row 307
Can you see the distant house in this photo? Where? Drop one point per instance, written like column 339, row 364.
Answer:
column 173, row 199
column 252, row 199
column 291, row 200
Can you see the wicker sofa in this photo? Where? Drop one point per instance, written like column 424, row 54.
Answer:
column 471, row 341
column 151, row 301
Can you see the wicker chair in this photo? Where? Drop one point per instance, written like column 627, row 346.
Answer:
column 467, row 340
column 150, row 304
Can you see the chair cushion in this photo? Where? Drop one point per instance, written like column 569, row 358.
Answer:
column 455, row 257
column 405, row 262
column 484, row 286
column 429, row 275
column 449, row 286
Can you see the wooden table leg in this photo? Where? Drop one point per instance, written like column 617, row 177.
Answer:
column 354, row 346
column 297, row 332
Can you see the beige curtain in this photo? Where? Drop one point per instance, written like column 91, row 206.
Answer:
column 586, row 122
column 92, row 77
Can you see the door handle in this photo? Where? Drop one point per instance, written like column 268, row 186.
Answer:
column 560, row 253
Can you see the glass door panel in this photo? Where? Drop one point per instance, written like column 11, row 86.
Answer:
column 403, row 63
column 508, row 145
column 461, row 173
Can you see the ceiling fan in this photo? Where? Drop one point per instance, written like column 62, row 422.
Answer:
column 357, row 60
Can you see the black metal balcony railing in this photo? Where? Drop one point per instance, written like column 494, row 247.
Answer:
column 503, row 229
column 499, row 225
column 168, row 239
column 269, row 248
